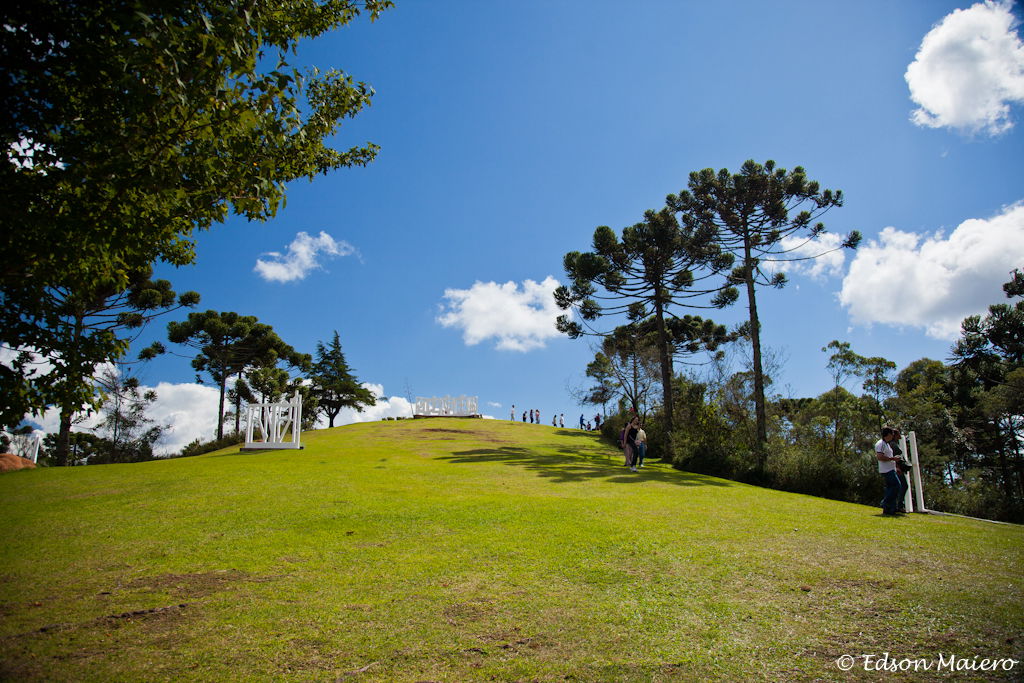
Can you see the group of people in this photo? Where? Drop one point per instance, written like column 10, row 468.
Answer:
column 632, row 440
column 893, row 469
column 557, row 420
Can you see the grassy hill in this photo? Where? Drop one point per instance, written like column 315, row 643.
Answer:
column 464, row 550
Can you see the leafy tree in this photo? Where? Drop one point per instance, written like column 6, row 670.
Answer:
column 334, row 386
column 750, row 215
column 128, row 125
column 228, row 343
column 658, row 264
column 603, row 371
column 878, row 383
column 128, row 433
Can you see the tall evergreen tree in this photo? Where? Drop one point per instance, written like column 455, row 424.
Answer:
column 334, row 385
column 750, row 215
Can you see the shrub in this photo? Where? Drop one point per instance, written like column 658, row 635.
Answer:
column 198, row 447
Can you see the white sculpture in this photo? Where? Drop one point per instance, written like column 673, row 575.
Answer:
column 447, row 406
column 272, row 421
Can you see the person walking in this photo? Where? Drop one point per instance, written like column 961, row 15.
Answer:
column 531, row 415
column 513, row 418
column 582, row 422
column 641, row 445
column 887, row 468
column 561, row 420
column 629, row 442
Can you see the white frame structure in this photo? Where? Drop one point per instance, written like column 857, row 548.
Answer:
column 272, row 421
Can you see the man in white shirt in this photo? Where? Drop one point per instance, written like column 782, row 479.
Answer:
column 887, row 468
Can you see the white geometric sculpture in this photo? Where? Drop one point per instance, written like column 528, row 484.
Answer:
column 271, row 421
column 447, row 406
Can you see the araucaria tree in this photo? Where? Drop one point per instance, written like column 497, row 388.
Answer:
column 228, row 343
column 764, row 216
column 334, row 386
column 128, row 125
column 658, row 264
column 87, row 327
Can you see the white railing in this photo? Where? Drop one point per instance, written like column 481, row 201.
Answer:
column 446, row 406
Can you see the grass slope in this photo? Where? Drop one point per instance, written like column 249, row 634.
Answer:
column 461, row 550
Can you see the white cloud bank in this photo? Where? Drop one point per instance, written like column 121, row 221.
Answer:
column 969, row 70
column 519, row 319
column 302, row 257
column 931, row 281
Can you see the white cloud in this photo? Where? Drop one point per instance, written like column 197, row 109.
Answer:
column 931, row 281
column 969, row 70
column 301, row 257
column 519, row 319
column 825, row 257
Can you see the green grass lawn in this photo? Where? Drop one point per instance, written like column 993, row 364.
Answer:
column 465, row 550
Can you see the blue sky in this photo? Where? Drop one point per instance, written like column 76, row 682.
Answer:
column 510, row 130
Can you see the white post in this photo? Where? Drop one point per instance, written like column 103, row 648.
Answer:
column 916, row 473
column 908, row 500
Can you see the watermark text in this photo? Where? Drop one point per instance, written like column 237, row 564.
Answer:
column 943, row 662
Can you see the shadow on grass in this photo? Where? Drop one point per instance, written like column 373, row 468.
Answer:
column 576, row 465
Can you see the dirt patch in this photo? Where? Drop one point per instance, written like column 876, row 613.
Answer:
column 191, row 586
column 474, row 610
column 10, row 462
column 448, row 431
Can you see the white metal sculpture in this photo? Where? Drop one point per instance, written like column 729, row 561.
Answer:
column 446, row 406
column 268, row 424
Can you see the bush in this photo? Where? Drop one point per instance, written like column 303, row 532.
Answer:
column 198, row 447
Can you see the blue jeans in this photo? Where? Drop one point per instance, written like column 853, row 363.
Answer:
column 890, row 503
column 641, row 452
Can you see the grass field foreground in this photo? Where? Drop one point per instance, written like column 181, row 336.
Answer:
column 463, row 550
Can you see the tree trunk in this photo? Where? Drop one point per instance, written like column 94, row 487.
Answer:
column 64, row 437
column 755, row 342
column 238, row 408
column 220, row 409
column 666, row 376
